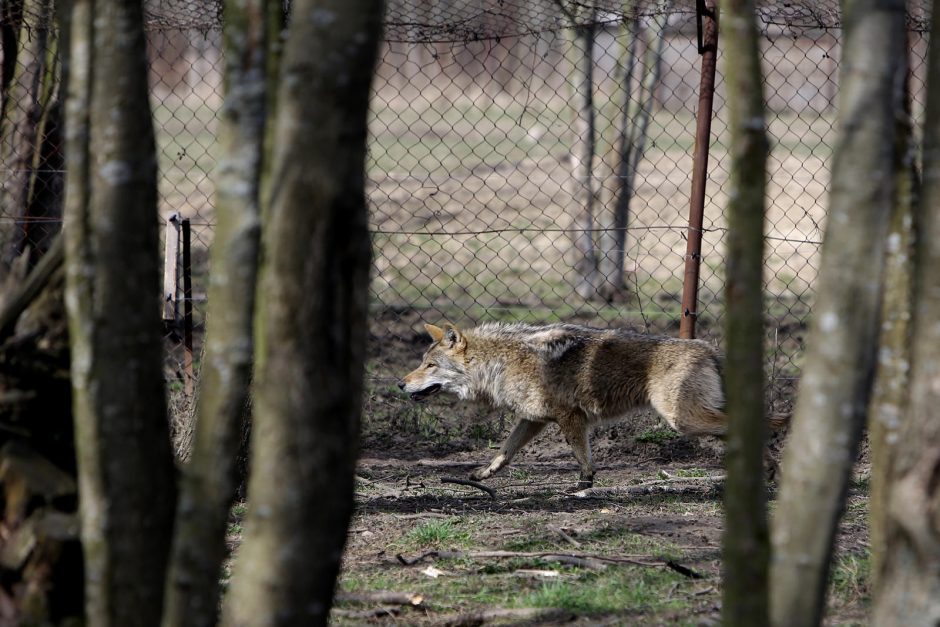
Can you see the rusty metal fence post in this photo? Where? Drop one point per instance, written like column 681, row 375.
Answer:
column 707, row 16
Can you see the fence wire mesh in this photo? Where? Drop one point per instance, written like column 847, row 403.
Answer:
column 506, row 181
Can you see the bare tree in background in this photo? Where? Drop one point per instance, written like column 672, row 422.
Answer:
column 210, row 477
column 908, row 591
column 835, row 386
column 583, row 148
column 746, row 542
column 636, row 110
column 125, row 467
column 311, row 321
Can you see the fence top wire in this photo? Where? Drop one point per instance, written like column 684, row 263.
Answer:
column 447, row 21
column 440, row 21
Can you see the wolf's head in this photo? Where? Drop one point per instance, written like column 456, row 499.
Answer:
column 443, row 368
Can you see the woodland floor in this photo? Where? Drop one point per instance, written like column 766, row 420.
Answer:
column 650, row 559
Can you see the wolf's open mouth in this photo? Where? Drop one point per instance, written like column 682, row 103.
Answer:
column 426, row 392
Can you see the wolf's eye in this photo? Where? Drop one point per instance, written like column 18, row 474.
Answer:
column 430, row 364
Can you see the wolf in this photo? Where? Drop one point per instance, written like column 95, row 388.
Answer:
column 574, row 376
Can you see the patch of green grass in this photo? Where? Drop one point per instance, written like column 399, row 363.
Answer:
column 685, row 472
column 239, row 509
column 850, row 579
column 614, row 590
column 437, row 533
column 657, row 436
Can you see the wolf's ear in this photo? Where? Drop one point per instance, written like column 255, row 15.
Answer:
column 436, row 333
column 453, row 338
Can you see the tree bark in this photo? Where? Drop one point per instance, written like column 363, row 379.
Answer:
column 909, row 584
column 746, row 536
column 211, row 477
column 835, row 387
column 311, row 321
column 125, row 467
column 892, row 377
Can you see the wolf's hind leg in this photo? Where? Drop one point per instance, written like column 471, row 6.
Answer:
column 521, row 434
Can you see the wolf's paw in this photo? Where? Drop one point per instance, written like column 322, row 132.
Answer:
column 480, row 474
column 585, row 482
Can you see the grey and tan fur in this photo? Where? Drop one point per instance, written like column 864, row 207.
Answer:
column 574, row 376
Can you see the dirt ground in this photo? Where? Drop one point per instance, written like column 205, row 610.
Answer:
column 624, row 559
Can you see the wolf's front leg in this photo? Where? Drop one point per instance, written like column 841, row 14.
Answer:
column 521, row 434
column 577, row 433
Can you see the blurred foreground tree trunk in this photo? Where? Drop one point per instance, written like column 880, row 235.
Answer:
column 211, row 471
column 745, row 536
column 836, row 382
column 908, row 591
column 125, row 466
column 310, row 321
column 892, row 378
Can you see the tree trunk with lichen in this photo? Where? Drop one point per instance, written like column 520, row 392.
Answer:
column 892, row 377
column 211, row 474
column 310, row 321
column 835, row 386
column 125, row 465
column 908, row 591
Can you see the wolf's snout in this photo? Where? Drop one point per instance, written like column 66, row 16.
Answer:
column 401, row 385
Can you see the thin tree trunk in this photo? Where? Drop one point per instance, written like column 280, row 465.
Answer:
column 892, row 378
column 124, row 461
column 311, row 321
column 836, row 382
column 614, row 165
column 909, row 585
column 582, row 160
column 633, row 147
column 211, row 477
column 746, row 537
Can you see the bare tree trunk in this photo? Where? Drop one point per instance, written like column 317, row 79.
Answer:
column 746, row 538
column 211, row 477
column 582, row 159
column 311, row 321
column 613, row 164
column 125, row 465
column 892, row 378
column 835, row 386
column 633, row 145
column 909, row 584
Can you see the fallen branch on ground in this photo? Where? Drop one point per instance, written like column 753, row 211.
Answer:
column 700, row 485
column 472, row 484
column 584, row 560
column 566, row 537
column 390, row 597
column 373, row 613
column 685, row 571
column 533, row 614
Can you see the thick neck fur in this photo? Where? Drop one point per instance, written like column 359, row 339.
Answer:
column 493, row 349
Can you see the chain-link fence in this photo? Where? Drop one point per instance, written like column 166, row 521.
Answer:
column 528, row 160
